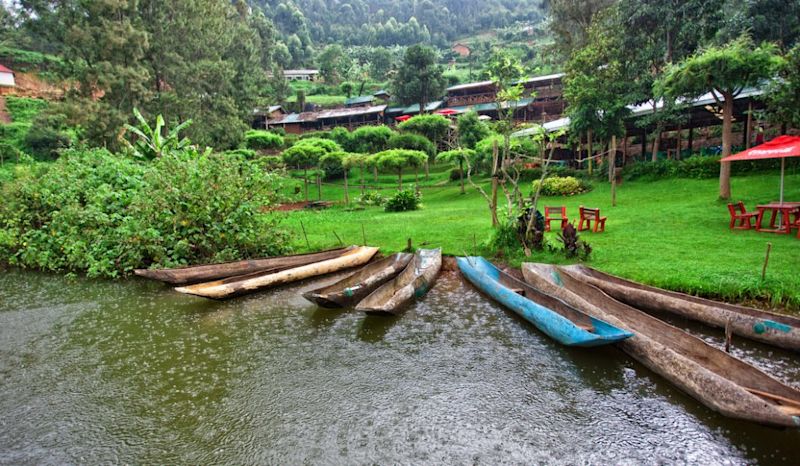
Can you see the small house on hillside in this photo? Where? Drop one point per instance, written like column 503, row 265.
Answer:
column 462, row 50
column 359, row 101
column 300, row 75
column 7, row 81
column 261, row 115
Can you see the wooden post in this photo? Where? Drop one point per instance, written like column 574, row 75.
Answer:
column 589, row 151
column 319, row 187
column 363, row 234
column 680, row 142
column 691, row 140
column 308, row 245
column 747, row 131
column 766, row 262
column 728, row 335
column 625, row 150
column 644, row 144
column 409, row 247
column 337, row 238
column 346, row 194
column 612, row 170
column 495, row 158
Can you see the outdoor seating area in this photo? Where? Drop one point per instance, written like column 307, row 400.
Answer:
column 587, row 217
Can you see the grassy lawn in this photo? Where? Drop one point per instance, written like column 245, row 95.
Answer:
column 670, row 233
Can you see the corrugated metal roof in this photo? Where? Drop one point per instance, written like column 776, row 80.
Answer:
column 544, row 78
column 300, row 71
column 469, row 86
column 361, row 99
column 348, row 112
column 428, row 108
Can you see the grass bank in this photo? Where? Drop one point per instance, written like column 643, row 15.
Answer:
column 670, row 233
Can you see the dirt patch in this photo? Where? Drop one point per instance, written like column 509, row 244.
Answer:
column 297, row 206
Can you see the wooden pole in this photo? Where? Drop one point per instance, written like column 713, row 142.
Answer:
column 691, row 140
column 409, row 246
column 680, row 142
column 589, row 150
column 749, row 128
column 337, row 238
column 612, row 170
column 495, row 157
column 363, row 234
column 303, row 227
column 766, row 262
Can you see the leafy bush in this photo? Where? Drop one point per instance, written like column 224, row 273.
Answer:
column 303, row 156
column 259, row 140
column 270, row 162
column 370, row 139
column 24, row 108
column 47, row 135
column 333, row 165
column 561, row 186
column 326, row 145
column 433, row 127
column 455, row 174
column 403, row 201
column 105, row 214
column 471, row 129
column 371, row 198
column 412, row 141
column 246, row 153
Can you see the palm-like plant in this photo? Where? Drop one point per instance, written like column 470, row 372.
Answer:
column 150, row 143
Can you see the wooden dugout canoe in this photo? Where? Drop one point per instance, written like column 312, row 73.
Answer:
column 766, row 327
column 354, row 288
column 205, row 273
column 718, row 380
column 557, row 319
column 237, row 286
column 413, row 282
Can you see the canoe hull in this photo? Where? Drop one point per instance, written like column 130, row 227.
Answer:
column 210, row 272
column 237, row 286
column 487, row 278
column 709, row 375
column 416, row 279
column 766, row 327
column 352, row 289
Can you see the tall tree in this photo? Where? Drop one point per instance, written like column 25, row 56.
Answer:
column 724, row 71
column 419, row 79
column 783, row 101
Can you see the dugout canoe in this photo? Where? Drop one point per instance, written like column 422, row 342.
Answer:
column 352, row 289
column 767, row 327
column 713, row 377
column 209, row 272
column 557, row 319
column 413, row 282
column 244, row 284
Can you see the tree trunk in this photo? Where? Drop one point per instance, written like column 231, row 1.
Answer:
column 375, row 174
column 747, row 131
column 346, row 194
column 416, row 180
column 589, row 151
column 461, row 175
column 427, row 171
column 727, row 135
column 612, row 170
column 680, row 142
column 363, row 184
column 656, row 143
column 319, row 187
column 400, row 179
column 305, row 182
column 494, row 184
column 691, row 140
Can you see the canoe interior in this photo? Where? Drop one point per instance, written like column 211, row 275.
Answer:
column 335, row 294
column 203, row 273
column 710, row 357
column 382, row 301
column 784, row 319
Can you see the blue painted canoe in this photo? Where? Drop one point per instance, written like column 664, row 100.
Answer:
column 552, row 316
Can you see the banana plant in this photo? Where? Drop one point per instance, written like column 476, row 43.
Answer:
column 150, row 143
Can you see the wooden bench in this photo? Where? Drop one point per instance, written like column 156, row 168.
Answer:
column 589, row 215
column 555, row 213
column 739, row 214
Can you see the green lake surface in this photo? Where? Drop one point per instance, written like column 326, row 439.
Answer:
column 130, row 371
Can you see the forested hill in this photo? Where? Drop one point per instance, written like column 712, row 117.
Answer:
column 387, row 22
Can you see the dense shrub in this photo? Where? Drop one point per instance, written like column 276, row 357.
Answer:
column 326, row 145
column 471, row 129
column 371, row 198
column 525, row 147
column 433, row 127
column 370, row 139
column 455, row 174
column 333, row 165
column 260, row 140
column 105, row 214
column 403, row 201
column 47, row 136
column 246, row 153
column 561, row 186
column 413, row 141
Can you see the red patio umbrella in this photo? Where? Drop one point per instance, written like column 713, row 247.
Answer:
column 446, row 112
column 402, row 117
column 778, row 148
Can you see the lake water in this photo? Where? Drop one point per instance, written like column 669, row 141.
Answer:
column 132, row 372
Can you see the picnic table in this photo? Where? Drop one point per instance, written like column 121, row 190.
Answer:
column 784, row 209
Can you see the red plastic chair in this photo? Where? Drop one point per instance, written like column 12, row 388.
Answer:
column 555, row 213
column 740, row 215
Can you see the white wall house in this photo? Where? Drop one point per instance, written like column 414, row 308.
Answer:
column 6, row 77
